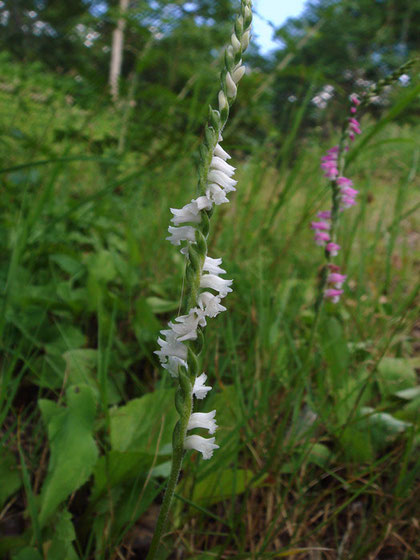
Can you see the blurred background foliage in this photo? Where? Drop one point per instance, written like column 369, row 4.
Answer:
column 319, row 453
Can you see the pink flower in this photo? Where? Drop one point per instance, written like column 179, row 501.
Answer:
column 333, row 294
column 353, row 110
column 348, row 191
column 336, row 279
column 354, row 127
column 354, row 99
column 333, row 249
column 324, row 215
column 343, row 181
column 329, row 163
column 347, row 202
column 321, row 238
column 321, row 225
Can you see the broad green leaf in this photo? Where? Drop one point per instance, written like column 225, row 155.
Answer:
column 220, row 486
column 62, row 534
column 81, row 365
column 10, row 479
column 382, row 427
column 145, row 424
column 159, row 305
column 334, row 348
column 320, row 454
column 411, row 411
column 409, row 394
column 73, row 449
column 67, row 264
column 28, row 553
column 146, row 325
column 229, row 420
column 356, row 444
column 395, row 375
column 101, row 266
column 119, row 467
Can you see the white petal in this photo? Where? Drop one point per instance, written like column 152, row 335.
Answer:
column 173, row 364
column 220, row 165
column 212, row 266
column 204, row 203
column 216, row 283
column 182, row 233
column 222, row 179
column 203, row 420
column 200, row 389
column 206, row 446
column 220, row 152
column 210, row 304
column 189, row 213
column 185, row 328
column 217, row 194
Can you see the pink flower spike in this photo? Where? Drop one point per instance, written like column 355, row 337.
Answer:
column 321, row 238
column 333, row 294
column 336, row 279
column 324, row 215
column 333, row 249
column 321, row 225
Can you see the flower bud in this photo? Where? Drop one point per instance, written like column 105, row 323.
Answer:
column 230, row 86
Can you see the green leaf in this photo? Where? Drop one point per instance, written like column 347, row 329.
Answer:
column 81, row 364
column 101, row 266
column 119, row 467
column 159, row 305
column 356, row 445
column 67, row 264
column 220, row 486
column 73, row 449
column 334, row 348
column 145, row 424
column 411, row 411
column 62, row 534
column 383, row 428
column 395, row 375
column 146, row 325
column 10, row 479
column 409, row 394
column 320, row 455
column 28, row 553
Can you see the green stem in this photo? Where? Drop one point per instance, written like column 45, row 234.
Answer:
column 178, row 454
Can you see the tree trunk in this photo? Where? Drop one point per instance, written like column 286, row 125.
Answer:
column 117, row 50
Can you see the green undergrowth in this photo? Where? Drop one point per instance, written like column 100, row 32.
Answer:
column 319, row 441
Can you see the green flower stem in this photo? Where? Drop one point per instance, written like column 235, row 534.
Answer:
column 177, row 456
